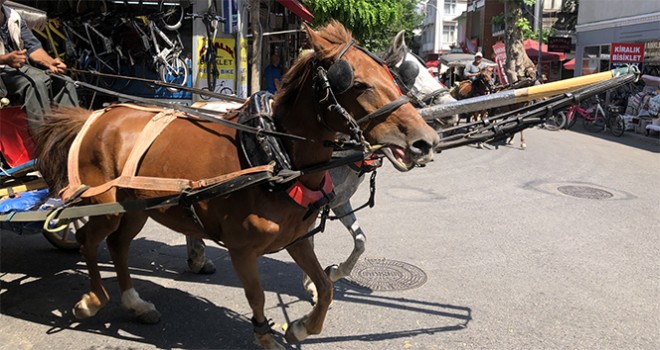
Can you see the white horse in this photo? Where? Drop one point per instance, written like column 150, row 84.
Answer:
column 424, row 89
column 417, row 80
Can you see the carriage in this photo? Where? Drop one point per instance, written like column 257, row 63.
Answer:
column 133, row 168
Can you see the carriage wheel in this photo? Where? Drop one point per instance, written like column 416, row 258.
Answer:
column 66, row 239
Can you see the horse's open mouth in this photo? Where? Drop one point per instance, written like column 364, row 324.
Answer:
column 398, row 157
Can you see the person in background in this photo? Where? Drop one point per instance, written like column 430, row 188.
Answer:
column 273, row 74
column 31, row 85
column 472, row 70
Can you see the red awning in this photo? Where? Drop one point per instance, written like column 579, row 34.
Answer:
column 532, row 49
column 570, row 64
column 296, row 7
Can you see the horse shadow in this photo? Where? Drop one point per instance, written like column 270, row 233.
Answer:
column 42, row 285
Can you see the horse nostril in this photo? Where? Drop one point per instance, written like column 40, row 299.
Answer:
column 421, row 147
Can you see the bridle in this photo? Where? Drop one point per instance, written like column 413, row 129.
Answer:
column 407, row 85
column 338, row 79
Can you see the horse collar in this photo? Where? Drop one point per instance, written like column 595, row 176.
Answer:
column 313, row 199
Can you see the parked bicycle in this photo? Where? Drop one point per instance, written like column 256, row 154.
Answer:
column 209, row 57
column 595, row 118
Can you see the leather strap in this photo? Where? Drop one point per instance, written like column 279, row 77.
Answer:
column 128, row 178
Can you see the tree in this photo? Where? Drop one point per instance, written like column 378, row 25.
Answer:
column 518, row 64
column 373, row 22
column 257, row 35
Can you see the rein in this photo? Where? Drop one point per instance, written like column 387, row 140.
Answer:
column 197, row 112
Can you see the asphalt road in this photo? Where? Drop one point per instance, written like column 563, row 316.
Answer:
column 511, row 262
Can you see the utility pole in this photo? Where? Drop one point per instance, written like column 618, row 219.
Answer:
column 539, row 20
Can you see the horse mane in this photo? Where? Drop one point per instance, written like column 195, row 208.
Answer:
column 392, row 57
column 54, row 138
column 292, row 81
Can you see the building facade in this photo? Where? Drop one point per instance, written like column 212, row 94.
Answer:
column 441, row 29
column 598, row 27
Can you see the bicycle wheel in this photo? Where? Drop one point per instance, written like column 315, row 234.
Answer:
column 211, row 74
column 617, row 125
column 555, row 121
column 203, row 96
column 594, row 124
column 172, row 14
column 175, row 72
column 571, row 118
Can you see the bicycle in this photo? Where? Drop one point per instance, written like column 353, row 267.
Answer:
column 165, row 52
column 595, row 119
column 210, row 55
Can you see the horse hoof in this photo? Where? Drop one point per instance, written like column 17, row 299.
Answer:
column 523, row 146
column 332, row 272
column 149, row 317
column 80, row 311
column 88, row 306
column 267, row 342
column 208, row 268
column 296, row 331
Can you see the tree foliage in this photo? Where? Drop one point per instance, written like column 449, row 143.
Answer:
column 373, row 22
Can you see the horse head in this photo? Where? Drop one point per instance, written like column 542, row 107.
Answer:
column 414, row 77
column 353, row 92
column 483, row 83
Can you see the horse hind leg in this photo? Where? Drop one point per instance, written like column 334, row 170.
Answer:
column 89, row 237
column 522, row 140
column 245, row 265
column 312, row 323
column 118, row 245
column 198, row 262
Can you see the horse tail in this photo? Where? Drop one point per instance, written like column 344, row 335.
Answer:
column 54, row 138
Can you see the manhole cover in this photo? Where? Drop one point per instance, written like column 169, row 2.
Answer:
column 385, row 275
column 585, row 192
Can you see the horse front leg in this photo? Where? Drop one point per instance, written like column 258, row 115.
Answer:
column 119, row 243
column 522, row 140
column 348, row 218
column 89, row 237
column 312, row 323
column 245, row 265
column 307, row 282
column 198, row 262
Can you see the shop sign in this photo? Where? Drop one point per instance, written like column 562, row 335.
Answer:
column 225, row 61
column 559, row 44
column 622, row 54
column 499, row 50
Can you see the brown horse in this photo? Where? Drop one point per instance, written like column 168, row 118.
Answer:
column 481, row 85
column 252, row 221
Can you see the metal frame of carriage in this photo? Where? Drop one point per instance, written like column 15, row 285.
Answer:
column 60, row 222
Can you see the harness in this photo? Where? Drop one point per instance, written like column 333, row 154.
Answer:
column 257, row 121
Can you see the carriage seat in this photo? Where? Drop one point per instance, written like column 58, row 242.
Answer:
column 16, row 143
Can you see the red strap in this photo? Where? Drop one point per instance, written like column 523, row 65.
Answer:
column 387, row 69
column 305, row 197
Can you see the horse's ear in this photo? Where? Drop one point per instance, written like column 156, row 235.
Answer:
column 318, row 43
column 399, row 40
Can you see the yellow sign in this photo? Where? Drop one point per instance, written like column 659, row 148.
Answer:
column 225, row 58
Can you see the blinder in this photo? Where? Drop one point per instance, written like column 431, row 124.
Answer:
column 340, row 76
column 408, row 71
